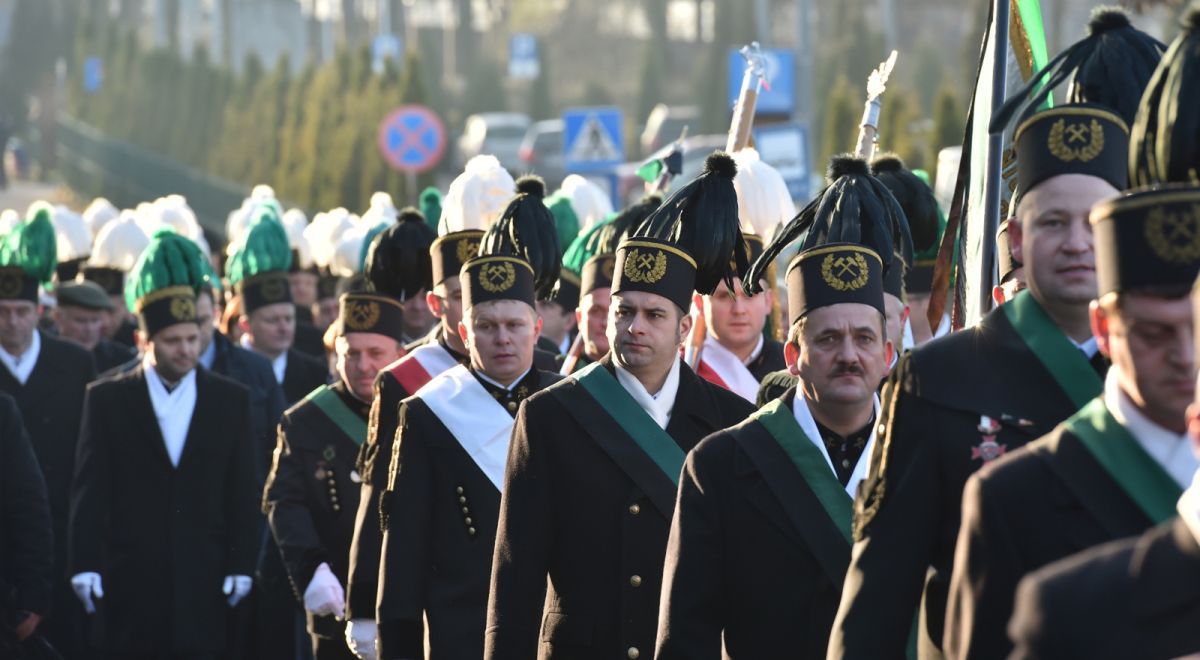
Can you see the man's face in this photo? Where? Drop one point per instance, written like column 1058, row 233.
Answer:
column 18, row 318
column 446, row 303
column 841, row 357
column 303, row 286
column 326, row 311
column 204, row 319
column 272, row 328
column 500, row 336
column 556, row 321
column 1053, row 238
column 115, row 316
column 360, row 356
column 592, row 318
column 1150, row 341
column 896, row 313
column 81, row 325
column 418, row 318
column 645, row 331
column 175, row 350
column 735, row 319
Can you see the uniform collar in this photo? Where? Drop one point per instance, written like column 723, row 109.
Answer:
column 22, row 365
column 657, row 405
column 1173, row 451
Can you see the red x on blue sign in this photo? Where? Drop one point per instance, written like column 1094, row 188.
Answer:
column 412, row 139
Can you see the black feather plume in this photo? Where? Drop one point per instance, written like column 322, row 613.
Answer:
column 1164, row 140
column 915, row 198
column 398, row 262
column 854, row 208
column 702, row 218
column 1110, row 67
column 526, row 229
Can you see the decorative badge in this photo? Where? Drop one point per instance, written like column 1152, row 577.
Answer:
column 361, row 315
column 1174, row 237
column 465, row 248
column 606, row 267
column 10, row 284
column 497, row 276
column 648, row 266
column 274, row 289
column 845, row 272
column 1075, row 141
column 183, row 308
column 988, row 449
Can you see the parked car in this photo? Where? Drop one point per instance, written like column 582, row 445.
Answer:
column 495, row 133
column 665, row 123
column 541, row 151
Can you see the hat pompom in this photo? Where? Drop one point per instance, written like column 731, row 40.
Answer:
column 887, row 163
column 531, row 184
column 1107, row 18
column 846, row 165
column 721, row 163
column 410, row 214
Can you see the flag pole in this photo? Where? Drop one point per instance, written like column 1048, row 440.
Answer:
column 992, row 192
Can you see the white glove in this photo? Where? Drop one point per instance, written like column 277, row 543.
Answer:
column 360, row 637
column 87, row 585
column 324, row 595
column 236, row 587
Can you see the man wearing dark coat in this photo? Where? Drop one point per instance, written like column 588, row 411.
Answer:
column 80, row 316
column 960, row 401
column 760, row 541
column 1118, row 466
column 26, row 537
column 395, row 383
column 162, row 531
column 589, row 486
column 47, row 378
column 312, row 492
column 447, row 470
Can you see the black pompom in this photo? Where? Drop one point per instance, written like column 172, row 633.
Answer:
column 410, row 214
column 1191, row 19
column 1107, row 18
column 887, row 163
column 531, row 184
column 721, row 163
column 844, row 165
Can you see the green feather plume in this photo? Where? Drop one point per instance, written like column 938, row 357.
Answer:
column 264, row 249
column 169, row 260
column 430, row 203
column 566, row 222
column 31, row 245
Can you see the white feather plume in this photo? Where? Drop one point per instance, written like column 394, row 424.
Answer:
column 763, row 198
column 74, row 239
column 119, row 243
column 99, row 213
column 477, row 197
column 589, row 201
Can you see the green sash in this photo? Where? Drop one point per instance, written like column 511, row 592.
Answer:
column 1065, row 362
column 339, row 413
column 626, row 412
column 779, row 421
column 1139, row 475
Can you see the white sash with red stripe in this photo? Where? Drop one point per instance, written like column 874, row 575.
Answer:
column 721, row 367
column 417, row 368
column 473, row 417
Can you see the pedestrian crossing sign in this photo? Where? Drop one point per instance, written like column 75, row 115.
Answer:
column 592, row 139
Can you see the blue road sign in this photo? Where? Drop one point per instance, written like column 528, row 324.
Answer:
column 592, row 139
column 93, row 74
column 412, row 139
column 781, row 75
column 785, row 147
column 523, row 63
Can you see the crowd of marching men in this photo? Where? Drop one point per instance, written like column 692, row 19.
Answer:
column 512, row 424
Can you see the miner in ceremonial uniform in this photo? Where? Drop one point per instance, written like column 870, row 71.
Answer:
column 313, row 489
column 1118, row 466
column 258, row 271
column 47, row 377
column 421, row 262
column 447, row 465
column 761, row 536
column 116, row 248
column 81, row 316
column 163, row 533
column 559, row 325
column 944, row 422
column 592, row 256
column 589, row 487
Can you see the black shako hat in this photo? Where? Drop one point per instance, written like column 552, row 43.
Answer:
column 692, row 242
column 399, row 261
column 1072, row 139
column 370, row 312
column 1164, row 141
column 519, row 256
column 831, row 274
column 1149, row 239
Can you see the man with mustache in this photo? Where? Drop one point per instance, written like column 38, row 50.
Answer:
column 589, row 487
column 961, row 401
column 1118, row 466
column 447, row 465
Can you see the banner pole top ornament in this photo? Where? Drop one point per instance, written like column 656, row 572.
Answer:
column 868, row 133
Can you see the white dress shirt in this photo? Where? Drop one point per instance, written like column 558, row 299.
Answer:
column 1173, row 451
column 278, row 365
column 173, row 409
column 1189, row 507
column 731, row 368
column 658, row 405
column 21, row 366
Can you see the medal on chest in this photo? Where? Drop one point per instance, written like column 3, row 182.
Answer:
column 988, row 449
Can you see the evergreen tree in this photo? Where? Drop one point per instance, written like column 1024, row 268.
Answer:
column 541, row 99
column 842, row 114
column 949, row 118
column 485, row 89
